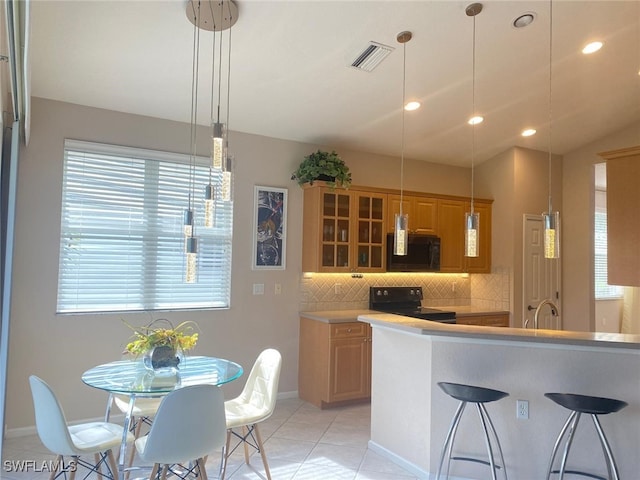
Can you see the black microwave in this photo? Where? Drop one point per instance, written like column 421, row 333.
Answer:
column 423, row 254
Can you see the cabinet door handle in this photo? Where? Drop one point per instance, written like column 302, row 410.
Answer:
column 348, row 330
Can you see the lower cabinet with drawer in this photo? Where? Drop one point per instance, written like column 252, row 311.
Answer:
column 494, row 320
column 334, row 362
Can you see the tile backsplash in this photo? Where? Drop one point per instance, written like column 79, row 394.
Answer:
column 338, row 291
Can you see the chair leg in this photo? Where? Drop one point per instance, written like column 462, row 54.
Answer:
column 262, row 452
column 567, row 447
column 154, row 471
column 74, row 461
column 202, row 471
column 57, row 463
column 245, row 433
column 556, row 446
column 112, row 464
column 96, row 459
column 448, row 442
column 163, row 475
column 225, row 456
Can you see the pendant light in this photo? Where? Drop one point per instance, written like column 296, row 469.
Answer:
column 551, row 219
column 472, row 218
column 191, row 242
column 402, row 219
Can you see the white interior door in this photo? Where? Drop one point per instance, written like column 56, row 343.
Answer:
column 540, row 277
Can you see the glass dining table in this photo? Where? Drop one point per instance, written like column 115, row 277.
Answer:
column 133, row 379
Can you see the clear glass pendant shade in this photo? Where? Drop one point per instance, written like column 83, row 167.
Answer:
column 191, row 260
column 209, row 206
column 400, row 234
column 188, row 223
column 227, row 183
column 471, row 229
column 551, row 223
column 217, row 150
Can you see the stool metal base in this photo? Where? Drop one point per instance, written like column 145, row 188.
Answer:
column 487, row 426
column 570, row 425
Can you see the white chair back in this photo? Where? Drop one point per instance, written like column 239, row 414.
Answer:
column 261, row 388
column 51, row 423
column 190, row 424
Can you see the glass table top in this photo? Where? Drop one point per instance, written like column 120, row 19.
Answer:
column 131, row 376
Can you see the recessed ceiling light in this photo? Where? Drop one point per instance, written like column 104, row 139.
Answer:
column 524, row 20
column 410, row 106
column 475, row 120
column 592, row 47
column 528, row 132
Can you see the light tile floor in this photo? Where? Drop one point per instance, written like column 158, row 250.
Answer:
column 302, row 443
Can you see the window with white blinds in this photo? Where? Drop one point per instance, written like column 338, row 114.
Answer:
column 121, row 241
column 602, row 289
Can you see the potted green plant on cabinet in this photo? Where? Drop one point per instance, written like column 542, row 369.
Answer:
column 323, row 166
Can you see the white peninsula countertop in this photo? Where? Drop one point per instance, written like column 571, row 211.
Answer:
column 425, row 327
column 410, row 414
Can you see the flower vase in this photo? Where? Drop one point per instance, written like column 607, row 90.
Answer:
column 163, row 359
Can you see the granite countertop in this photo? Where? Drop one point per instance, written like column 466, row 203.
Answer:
column 564, row 337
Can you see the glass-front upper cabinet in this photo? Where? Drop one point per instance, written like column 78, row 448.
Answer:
column 343, row 230
column 371, row 238
column 336, row 226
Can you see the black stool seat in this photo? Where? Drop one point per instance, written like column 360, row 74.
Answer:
column 592, row 406
column 586, row 403
column 470, row 393
column 478, row 396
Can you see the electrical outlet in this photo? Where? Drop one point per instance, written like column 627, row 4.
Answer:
column 522, row 409
column 337, row 288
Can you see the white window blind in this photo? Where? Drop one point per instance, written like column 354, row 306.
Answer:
column 602, row 289
column 121, row 241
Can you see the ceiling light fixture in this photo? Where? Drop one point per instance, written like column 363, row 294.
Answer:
column 551, row 219
column 524, row 20
column 475, row 120
column 472, row 218
column 411, row 106
column 592, row 47
column 528, row 132
column 402, row 219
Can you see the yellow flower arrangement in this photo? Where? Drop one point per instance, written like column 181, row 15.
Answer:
column 146, row 338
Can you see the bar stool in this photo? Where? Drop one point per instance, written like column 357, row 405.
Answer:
column 479, row 396
column 594, row 406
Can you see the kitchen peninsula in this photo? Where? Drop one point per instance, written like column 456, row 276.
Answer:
column 410, row 415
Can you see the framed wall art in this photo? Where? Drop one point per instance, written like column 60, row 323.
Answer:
column 269, row 228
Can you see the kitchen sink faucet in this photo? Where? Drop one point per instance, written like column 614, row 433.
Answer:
column 554, row 311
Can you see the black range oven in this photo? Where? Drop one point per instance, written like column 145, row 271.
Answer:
column 406, row 301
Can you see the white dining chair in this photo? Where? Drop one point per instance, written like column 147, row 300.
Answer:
column 254, row 405
column 188, row 426
column 91, row 438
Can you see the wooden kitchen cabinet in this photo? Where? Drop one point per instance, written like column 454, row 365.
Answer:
column 343, row 230
column 422, row 211
column 451, row 233
column 451, row 214
column 334, row 365
column 499, row 320
column 623, row 223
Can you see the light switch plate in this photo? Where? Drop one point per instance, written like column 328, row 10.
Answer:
column 258, row 288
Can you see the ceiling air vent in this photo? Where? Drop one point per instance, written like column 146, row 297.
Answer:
column 371, row 56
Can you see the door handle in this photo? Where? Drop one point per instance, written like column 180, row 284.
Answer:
column 529, row 307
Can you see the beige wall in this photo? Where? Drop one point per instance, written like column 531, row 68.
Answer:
column 517, row 180
column 59, row 348
column 577, row 226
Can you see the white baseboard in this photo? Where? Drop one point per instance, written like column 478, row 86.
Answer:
column 410, row 467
